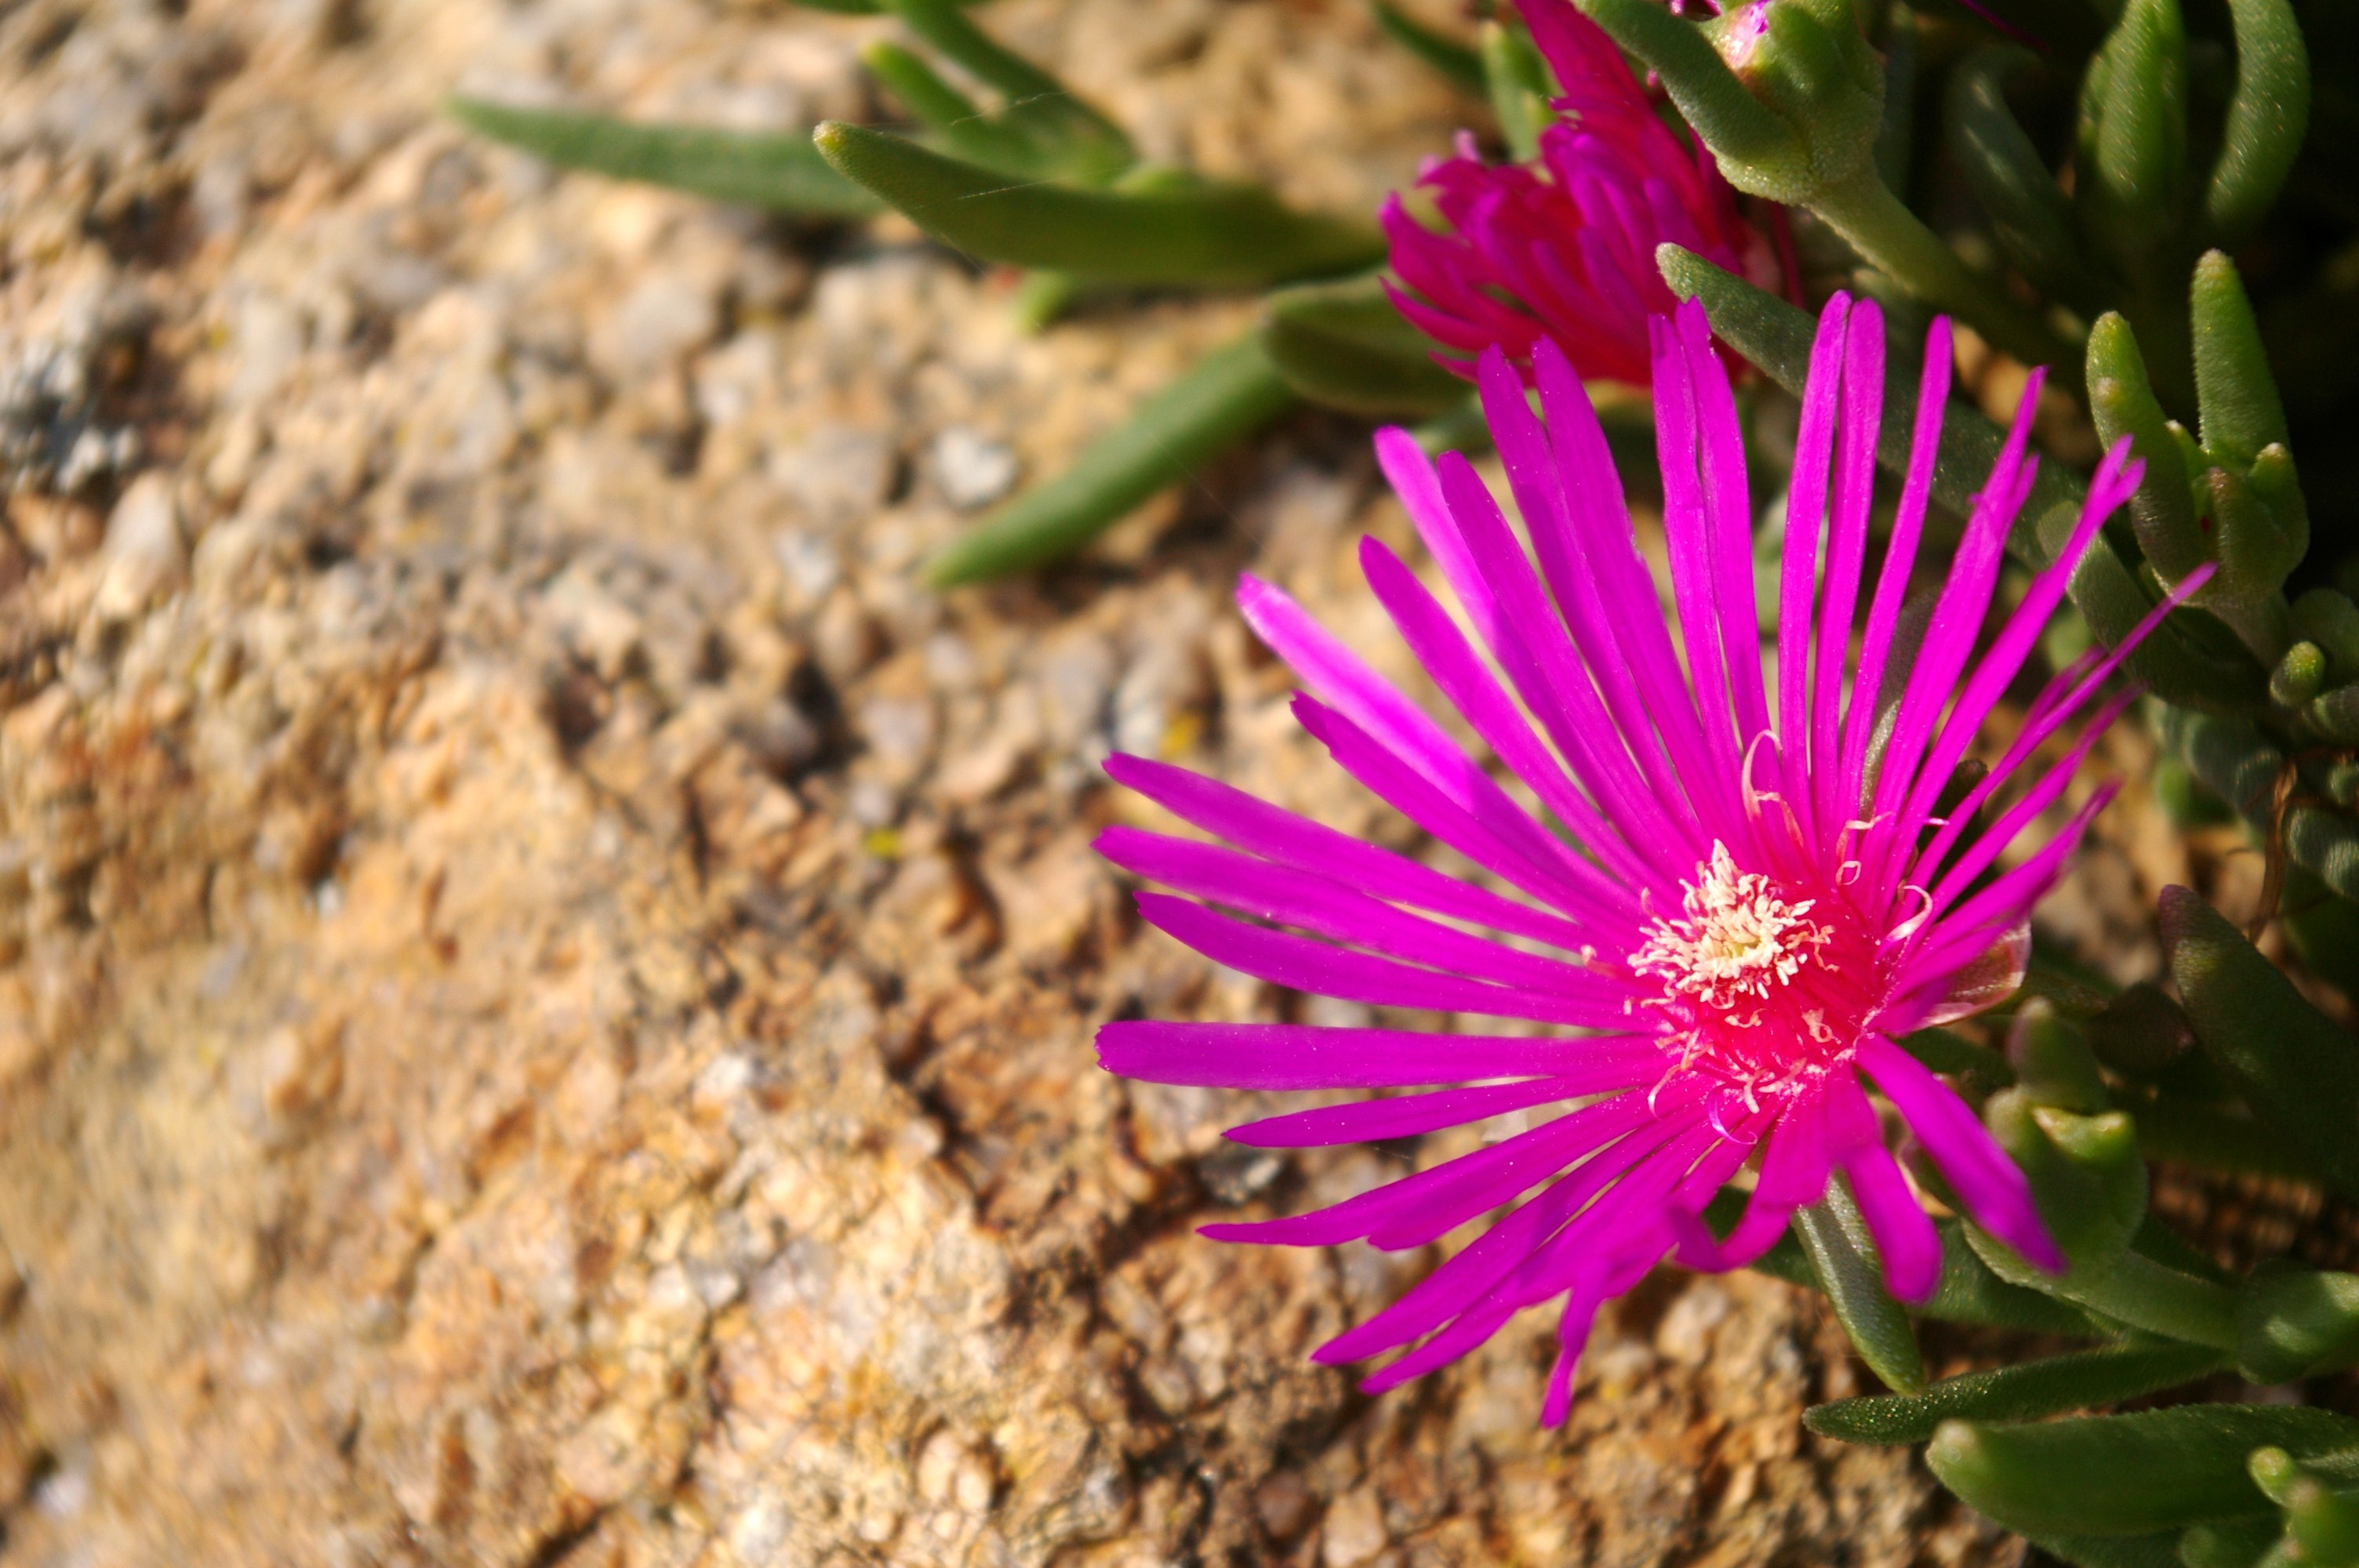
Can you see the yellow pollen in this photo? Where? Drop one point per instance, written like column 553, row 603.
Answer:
column 1734, row 940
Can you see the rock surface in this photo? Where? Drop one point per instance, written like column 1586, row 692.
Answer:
column 548, row 989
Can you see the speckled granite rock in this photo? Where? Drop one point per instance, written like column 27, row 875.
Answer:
column 547, row 988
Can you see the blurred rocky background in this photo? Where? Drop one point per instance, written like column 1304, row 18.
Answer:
column 548, row 990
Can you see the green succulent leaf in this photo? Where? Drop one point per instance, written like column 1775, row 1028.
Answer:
column 2172, row 662
column 2324, row 928
column 1069, row 139
column 958, row 124
column 1461, row 65
column 2080, row 1380
column 2292, row 1321
column 2185, row 1132
column 2029, row 213
column 1834, row 1237
column 777, row 172
column 1200, row 233
column 1971, row 1292
column 2296, row 1068
column 1946, row 1053
column 2052, row 1061
column 2122, row 403
column 2241, row 1543
column 2133, row 130
column 2159, row 1549
column 1343, row 345
column 2242, row 766
column 2132, row 1474
column 1517, row 82
column 1230, row 394
column 1757, row 151
column 1777, row 337
column 2269, row 114
column 2238, row 396
column 2321, row 1523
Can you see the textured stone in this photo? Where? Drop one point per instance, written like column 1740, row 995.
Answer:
column 546, row 989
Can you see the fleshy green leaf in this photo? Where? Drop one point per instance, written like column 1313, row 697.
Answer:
column 2186, row 1133
column 2296, row 1068
column 1777, row 337
column 2241, row 1543
column 2268, row 114
column 1453, row 59
column 1072, row 139
column 2324, row 928
column 2323, row 1524
column 2024, row 1392
column 1971, row 1292
column 2130, row 1475
column 1834, row 1237
column 1204, row 234
column 2238, row 396
column 2292, row 1321
column 2029, row 214
column 957, row 122
column 2122, row 402
column 2134, row 129
column 780, row 173
column 1756, row 150
column 2171, row 663
column 1946, row 1053
column 2160, row 1550
column 1517, row 81
column 2240, row 765
column 1233, row 392
column 2052, row 1061
column 1343, row 345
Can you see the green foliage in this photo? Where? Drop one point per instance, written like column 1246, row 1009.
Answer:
column 2296, row 1068
column 1230, row 392
column 1343, row 345
column 1043, row 131
column 1183, row 232
column 2131, row 1474
column 1834, row 1237
column 780, row 172
column 1454, row 60
column 2026, row 1391
column 1517, row 81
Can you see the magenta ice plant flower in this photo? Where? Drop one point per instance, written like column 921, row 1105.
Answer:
column 1564, row 248
column 1733, row 902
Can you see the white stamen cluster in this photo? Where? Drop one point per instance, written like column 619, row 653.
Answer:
column 1736, row 940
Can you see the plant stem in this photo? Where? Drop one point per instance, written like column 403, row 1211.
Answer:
column 1896, row 241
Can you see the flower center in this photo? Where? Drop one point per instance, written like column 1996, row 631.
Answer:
column 1763, row 986
column 1738, row 938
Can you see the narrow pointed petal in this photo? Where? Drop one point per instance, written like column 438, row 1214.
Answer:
column 1298, row 963
column 1862, row 414
column 1315, row 903
column 1995, row 1192
column 1497, row 834
column 1806, row 503
column 1899, row 561
column 1294, row 840
column 1905, row 1239
column 1304, row 1057
column 1410, row 1115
